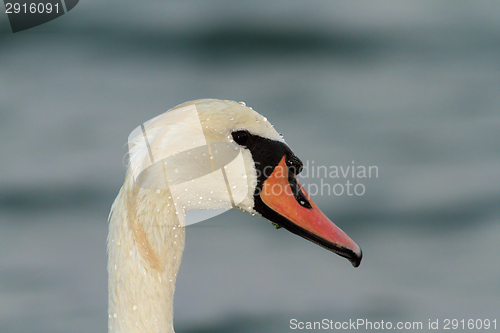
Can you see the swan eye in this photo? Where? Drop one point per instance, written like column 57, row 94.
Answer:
column 294, row 164
column 241, row 137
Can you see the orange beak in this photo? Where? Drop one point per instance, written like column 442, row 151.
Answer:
column 297, row 213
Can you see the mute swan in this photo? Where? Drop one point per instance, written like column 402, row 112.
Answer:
column 146, row 225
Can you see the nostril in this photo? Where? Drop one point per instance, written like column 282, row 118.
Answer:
column 297, row 192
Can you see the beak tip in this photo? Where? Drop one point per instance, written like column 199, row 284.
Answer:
column 356, row 259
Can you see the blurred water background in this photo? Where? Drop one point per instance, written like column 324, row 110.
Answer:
column 410, row 87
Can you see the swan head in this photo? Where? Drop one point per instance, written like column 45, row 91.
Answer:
column 217, row 154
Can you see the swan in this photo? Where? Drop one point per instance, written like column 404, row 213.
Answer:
column 147, row 219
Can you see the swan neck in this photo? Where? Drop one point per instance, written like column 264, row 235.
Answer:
column 145, row 245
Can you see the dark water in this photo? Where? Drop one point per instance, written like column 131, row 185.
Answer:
column 411, row 88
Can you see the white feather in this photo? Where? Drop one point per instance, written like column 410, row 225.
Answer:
column 146, row 233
